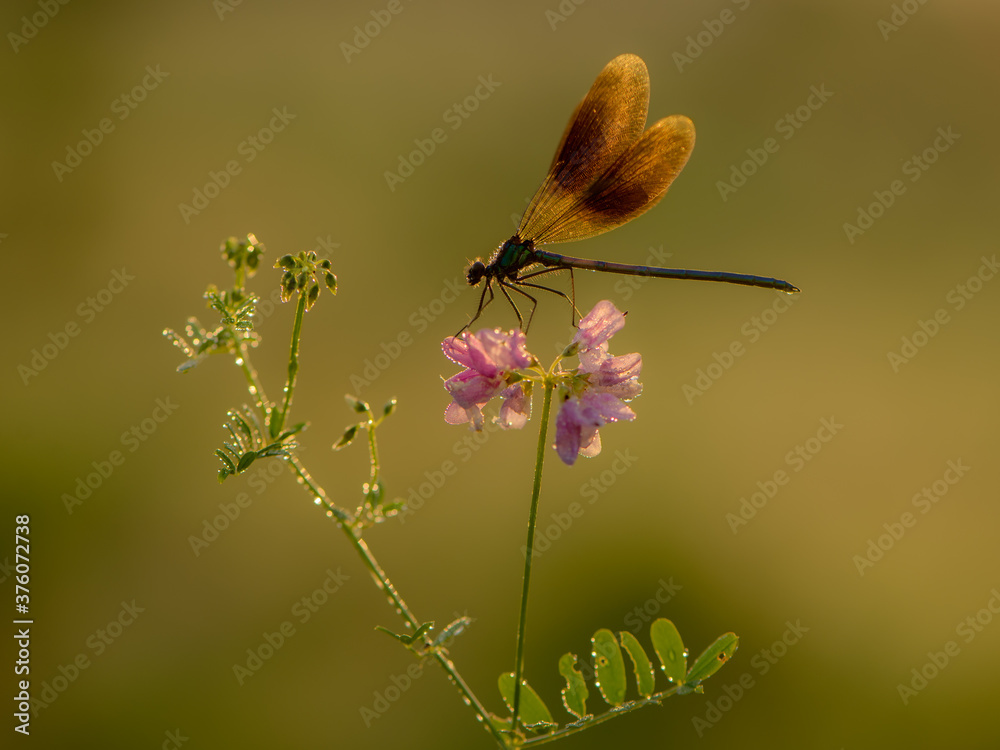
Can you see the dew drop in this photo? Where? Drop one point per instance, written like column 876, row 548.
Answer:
column 239, row 361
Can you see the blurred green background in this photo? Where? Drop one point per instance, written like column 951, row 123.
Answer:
column 665, row 521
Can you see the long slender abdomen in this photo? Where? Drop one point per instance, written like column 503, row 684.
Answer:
column 554, row 260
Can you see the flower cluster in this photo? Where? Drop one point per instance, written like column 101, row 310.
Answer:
column 590, row 396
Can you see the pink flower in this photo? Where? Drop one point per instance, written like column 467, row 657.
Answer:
column 490, row 357
column 606, row 383
column 579, row 419
column 591, row 396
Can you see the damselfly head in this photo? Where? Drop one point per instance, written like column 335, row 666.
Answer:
column 476, row 272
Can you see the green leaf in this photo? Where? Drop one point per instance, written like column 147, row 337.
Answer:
column 347, row 438
column 532, row 712
column 710, row 662
column 245, row 460
column 670, row 648
column 389, row 408
column 644, row 679
column 609, row 666
column 575, row 694
column 357, row 404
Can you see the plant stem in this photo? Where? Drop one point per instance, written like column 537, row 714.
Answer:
column 529, row 547
column 373, row 486
column 392, row 594
column 278, row 423
column 593, row 721
column 345, row 521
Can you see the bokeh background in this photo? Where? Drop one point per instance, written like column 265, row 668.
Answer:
column 803, row 571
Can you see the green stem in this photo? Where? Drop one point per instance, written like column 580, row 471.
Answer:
column 392, row 594
column 293, row 368
column 529, row 547
column 373, row 452
column 593, row 721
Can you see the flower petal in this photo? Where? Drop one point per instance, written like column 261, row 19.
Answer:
column 505, row 350
column 455, row 414
column 516, row 408
column 456, row 349
column 470, row 388
column 618, row 376
column 601, row 408
column 599, row 325
column 568, row 431
column 480, row 360
column 592, row 448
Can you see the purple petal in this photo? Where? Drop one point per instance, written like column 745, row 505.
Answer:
column 601, row 408
column 457, row 350
column 593, row 447
column 516, row 408
column 455, row 414
column 568, row 431
column 469, row 388
column 480, row 360
column 506, row 350
column 618, row 376
column 599, row 325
